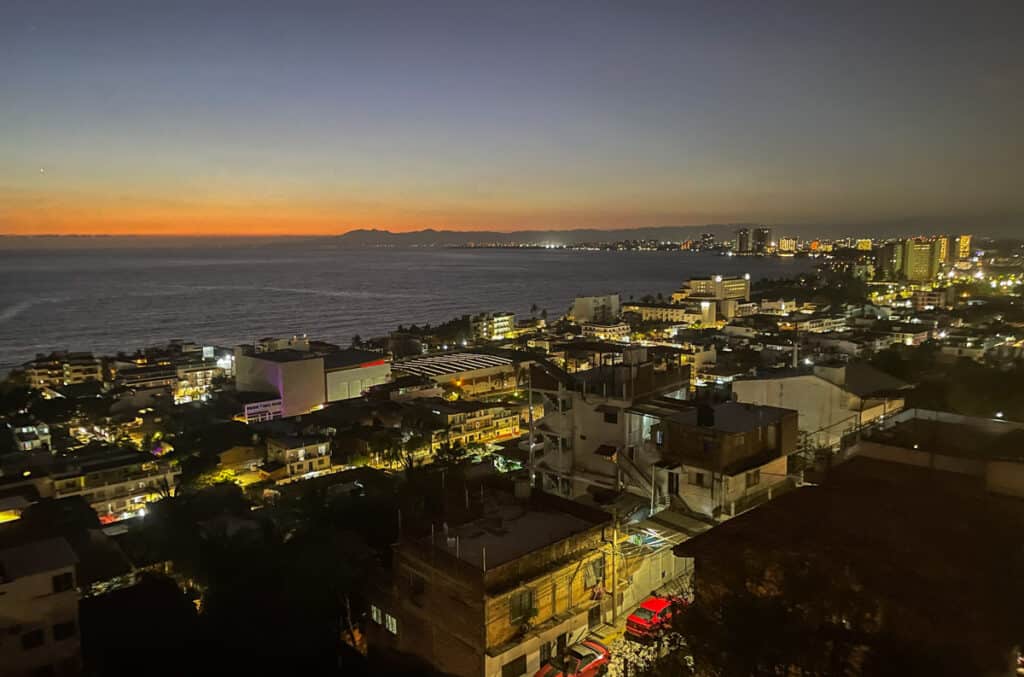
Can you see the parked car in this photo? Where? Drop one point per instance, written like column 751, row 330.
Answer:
column 588, row 658
column 652, row 616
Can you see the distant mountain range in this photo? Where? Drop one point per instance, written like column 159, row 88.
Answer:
column 996, row 227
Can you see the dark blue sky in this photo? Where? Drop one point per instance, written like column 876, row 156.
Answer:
column 264, row 117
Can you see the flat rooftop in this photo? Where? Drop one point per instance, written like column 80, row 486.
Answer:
column 285, row 355
column 449, row 363
column 343, row 359
column 512, row 528
column 730, row 417
column 37, row 557
column 983, row 440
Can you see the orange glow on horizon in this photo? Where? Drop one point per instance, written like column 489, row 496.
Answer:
column 35, row 215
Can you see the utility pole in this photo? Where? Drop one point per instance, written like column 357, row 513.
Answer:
column 615, row 577
column 529, row 390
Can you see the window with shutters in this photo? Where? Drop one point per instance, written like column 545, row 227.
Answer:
column 520, row 605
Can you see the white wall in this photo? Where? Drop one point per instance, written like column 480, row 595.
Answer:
column 823, row 407
column 344, row 384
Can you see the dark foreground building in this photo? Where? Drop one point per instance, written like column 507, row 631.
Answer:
column 882, row 569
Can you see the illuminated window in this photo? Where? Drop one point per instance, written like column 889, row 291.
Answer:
column 391, row 623
column 375, row 614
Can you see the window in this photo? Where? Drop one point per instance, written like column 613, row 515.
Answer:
column 697, row 479
column 597, row 566
column 611, row 417
column 63, row 631
column 375, row 614
column 673, row 483
column 63, row 582
column 521, row 605
column 514, row 668
column 32, row 639
column 753, row 478
column 547, row 650
column 659, row 437
column 391, row 623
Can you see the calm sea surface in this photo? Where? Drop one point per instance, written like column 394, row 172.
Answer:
column 106, row 300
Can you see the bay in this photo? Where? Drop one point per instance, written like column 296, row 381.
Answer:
column 110, row 299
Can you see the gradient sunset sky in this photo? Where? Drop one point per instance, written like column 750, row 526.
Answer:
column 180, row 117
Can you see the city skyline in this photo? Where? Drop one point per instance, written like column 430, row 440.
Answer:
column 252, row 119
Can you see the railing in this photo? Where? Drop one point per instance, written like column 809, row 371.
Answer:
column 635, row 473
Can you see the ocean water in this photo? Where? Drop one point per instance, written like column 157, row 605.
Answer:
column 105, row 300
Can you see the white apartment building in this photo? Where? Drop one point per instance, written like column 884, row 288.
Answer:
column 116, row 484
column 683, row 312
column 39, row 610
column 596, row 308
column 832, row 401
column 716, row 287
column 296, row 456
column 493, row 326
column 618, row 331
column 63, row 369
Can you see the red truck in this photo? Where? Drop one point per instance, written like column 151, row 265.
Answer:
column 652, row 617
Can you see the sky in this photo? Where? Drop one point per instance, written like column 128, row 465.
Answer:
column 281, row 118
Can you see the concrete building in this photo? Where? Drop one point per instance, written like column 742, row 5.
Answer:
column 586, row 424
column 762, row 240
column 195, row 381
column 62, row 369
column 889, row 260
column 30, row 435
column 492, row 326
column 814, row 324
column 619, row 331
column 743, row 243
column 604, row 309
column 832, row 401
column 294, row 376
column 272, row 344
column 715, row 288
column 116, row 484
column 687, row 312
column 259, row 407
column 715, row 461
column 963, row 248
column 500, row 594
column 39, row 610
column 351, row 373
column 290, row 457
column 146, row 376
column 989, row 450
column 787, row 244
column 463, row 422
column 876, row 556
column 921, row 259
column 475, row 374
column 931, row 299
